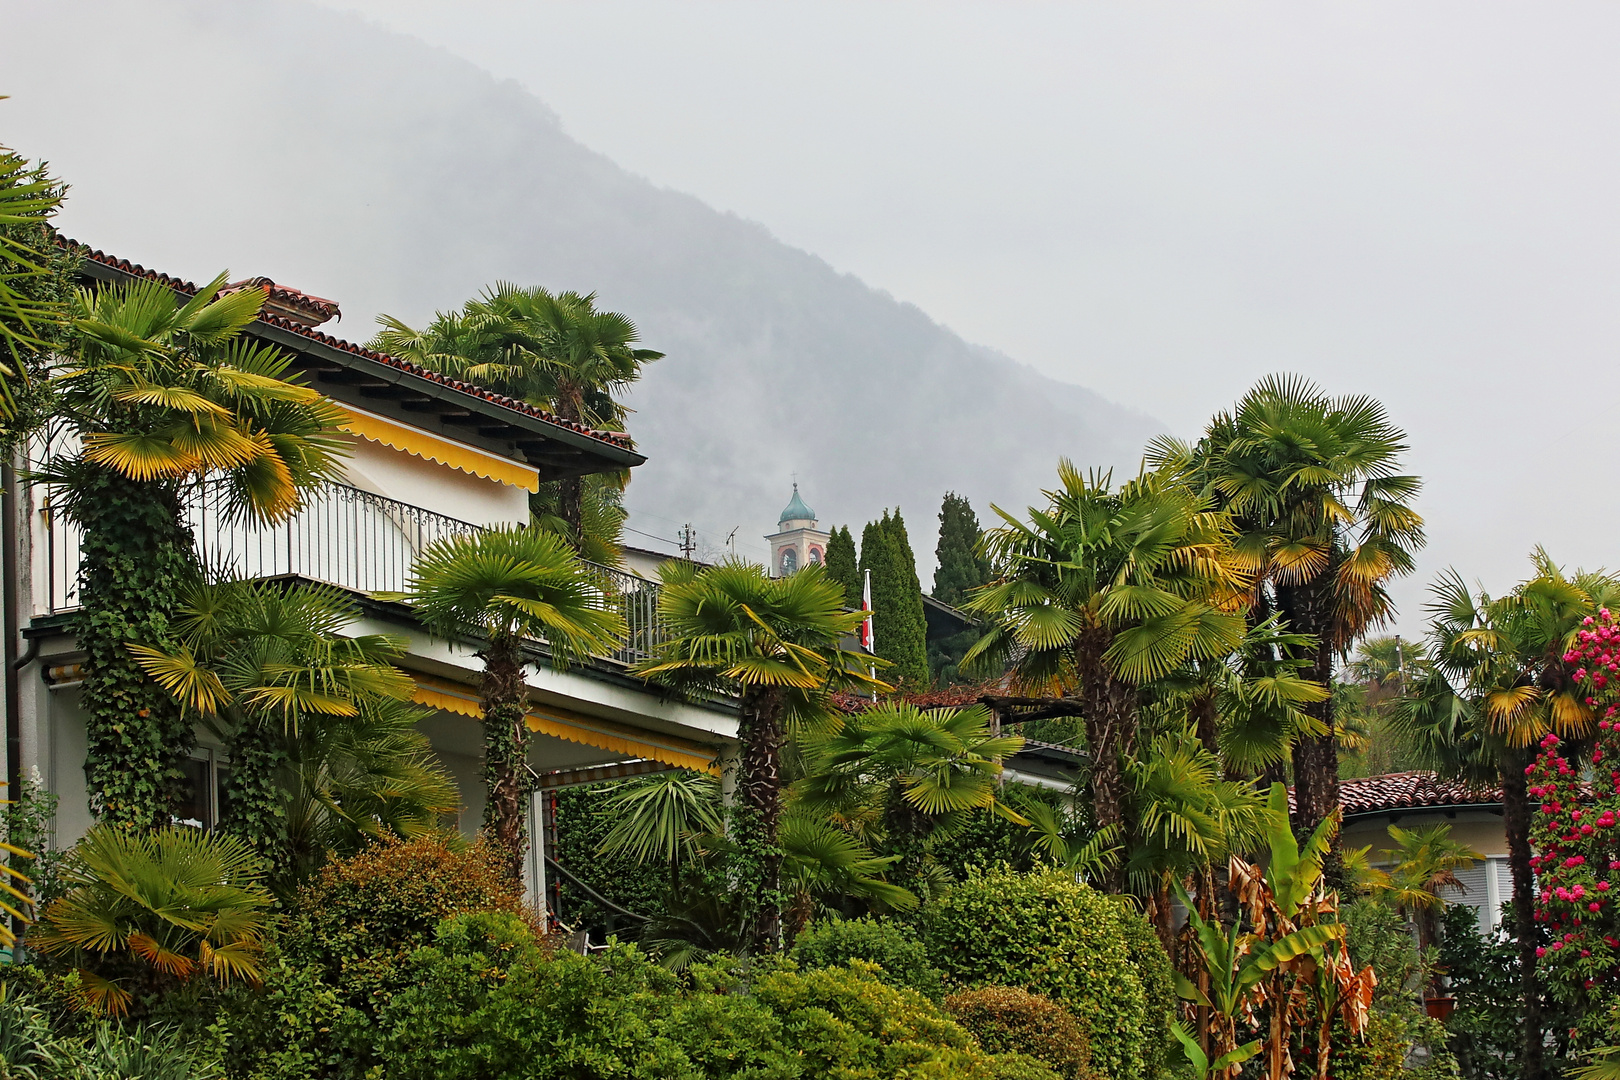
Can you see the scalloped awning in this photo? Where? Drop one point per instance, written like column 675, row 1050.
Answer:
column 586, row 730
column 467, row 459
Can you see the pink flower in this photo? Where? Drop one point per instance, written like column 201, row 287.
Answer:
column 1585, row 953
column 1558, row 945
column 1594, row 906
column 1540, row 951
column 1586, row 830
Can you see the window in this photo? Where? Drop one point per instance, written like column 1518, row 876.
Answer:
column 204, row 803
column 815, row 556
column 789, row 561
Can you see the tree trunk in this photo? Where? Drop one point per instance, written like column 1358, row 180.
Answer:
column 1516, row 820
column 571, row 508
column 506, row 740
column 136, row 558
column 1110, row 715
column 759, row 792
column 1308, row 607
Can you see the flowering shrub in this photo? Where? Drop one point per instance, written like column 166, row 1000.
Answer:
column 1577, row 842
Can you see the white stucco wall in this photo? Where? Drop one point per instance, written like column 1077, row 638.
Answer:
column 396, row 474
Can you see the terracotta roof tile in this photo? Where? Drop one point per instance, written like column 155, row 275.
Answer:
column 269, row 317
column 1408, row 791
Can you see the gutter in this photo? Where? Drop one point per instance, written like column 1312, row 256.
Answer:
column 9, row 613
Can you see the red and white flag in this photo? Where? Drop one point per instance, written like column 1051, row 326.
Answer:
column 866, row 606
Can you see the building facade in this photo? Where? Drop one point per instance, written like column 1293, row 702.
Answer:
column 429, row 457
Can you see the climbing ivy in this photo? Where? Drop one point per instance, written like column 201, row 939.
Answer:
column 135, row 558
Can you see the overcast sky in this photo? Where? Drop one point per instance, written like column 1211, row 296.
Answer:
column 1164, row 202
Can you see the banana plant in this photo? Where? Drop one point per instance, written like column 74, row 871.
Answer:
column 1202, row 1067
column 1291, row 964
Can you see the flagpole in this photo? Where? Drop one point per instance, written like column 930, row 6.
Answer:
column 867, row 639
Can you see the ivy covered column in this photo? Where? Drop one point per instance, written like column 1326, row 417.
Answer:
column 136, row 559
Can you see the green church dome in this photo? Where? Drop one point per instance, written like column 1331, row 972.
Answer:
column 796, row 510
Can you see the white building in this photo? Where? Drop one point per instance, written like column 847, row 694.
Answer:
column 430, row 457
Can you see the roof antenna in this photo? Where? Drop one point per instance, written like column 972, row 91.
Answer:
column 688, row 541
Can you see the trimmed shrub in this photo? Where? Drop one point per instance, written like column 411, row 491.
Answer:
column 363, row 916
column 344, row 954
column 1022, row 1067
column 1052, row 936
column 487, row 1004
column 895, row 949
column 1158, row 978
column 1007, row 1020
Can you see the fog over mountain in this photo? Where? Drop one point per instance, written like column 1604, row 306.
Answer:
column 331, row 155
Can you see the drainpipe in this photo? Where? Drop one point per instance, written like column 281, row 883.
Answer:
column 9, row 612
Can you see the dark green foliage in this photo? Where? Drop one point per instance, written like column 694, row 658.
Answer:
column 843, row 566
column 344, row 950
column 892, row 946
column 136, row 560
column 1158, row 978
column 1486, row 1028
column 642, row 889
column 1007, row 1020
column 962, row 567
column 1051, row 936
column 33, row 1048
column 899, row 629
column 1380, row 937
column 488, row 1004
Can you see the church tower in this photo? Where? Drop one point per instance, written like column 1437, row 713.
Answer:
column 797, row 542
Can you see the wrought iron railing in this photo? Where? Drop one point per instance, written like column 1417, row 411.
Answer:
column 341, row 536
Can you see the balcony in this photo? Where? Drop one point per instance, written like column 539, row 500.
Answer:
column 343, row 536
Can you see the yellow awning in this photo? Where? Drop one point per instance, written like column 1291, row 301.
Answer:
column 468, row 459
column 572, row 726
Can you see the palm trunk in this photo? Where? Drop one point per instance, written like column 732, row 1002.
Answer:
column 1516, row 819
column 506, row 739
column 136, row 558
column 1110, row 715
column 571, row 508
column 759, row 790
column 1308, row 608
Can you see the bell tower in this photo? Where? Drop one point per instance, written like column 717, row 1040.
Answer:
column 797, row 542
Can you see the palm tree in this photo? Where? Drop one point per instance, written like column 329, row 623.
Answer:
column 505, row 587
column 163, row 395
column 1324, row 520
column 660, row 818
column 1497, row 682
column 1424, row 861
column 553, row 350
column 1103, row 592
column 776, row 643
column 322, row 748
column 143, row 910
column 33, row 289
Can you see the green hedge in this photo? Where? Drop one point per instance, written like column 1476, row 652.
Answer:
column 1052, row 936
column 489, row 1004
column 893, row 947
column 1007, row 1020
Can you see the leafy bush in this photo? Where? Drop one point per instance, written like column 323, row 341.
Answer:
column 344, row 951
column 1378, row 936
column 362, row 917
column 1052, row 936
column 1022, row 1067
column 1486, row 1028
column 488, row 1003
column 895, row 949
column 1158, row 978
column 1007, row 1020
column 31, row 1050
column 581, row 828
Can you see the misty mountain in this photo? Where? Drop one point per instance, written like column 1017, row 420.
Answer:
column 283, row 139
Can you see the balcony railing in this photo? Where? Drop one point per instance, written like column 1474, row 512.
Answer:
column 342, row 536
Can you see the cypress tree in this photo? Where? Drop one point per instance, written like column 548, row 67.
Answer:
column 961, row 567
column 842, row 564
column 897, row 620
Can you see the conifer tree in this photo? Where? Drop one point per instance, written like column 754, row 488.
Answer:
column 898, row 624
column 843, row 566
column 961, row 566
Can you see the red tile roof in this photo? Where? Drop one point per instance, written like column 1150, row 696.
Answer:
column 288, row 303
column 303, row 301
column 1409, row 791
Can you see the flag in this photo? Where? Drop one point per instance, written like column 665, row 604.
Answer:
column 866, row 606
